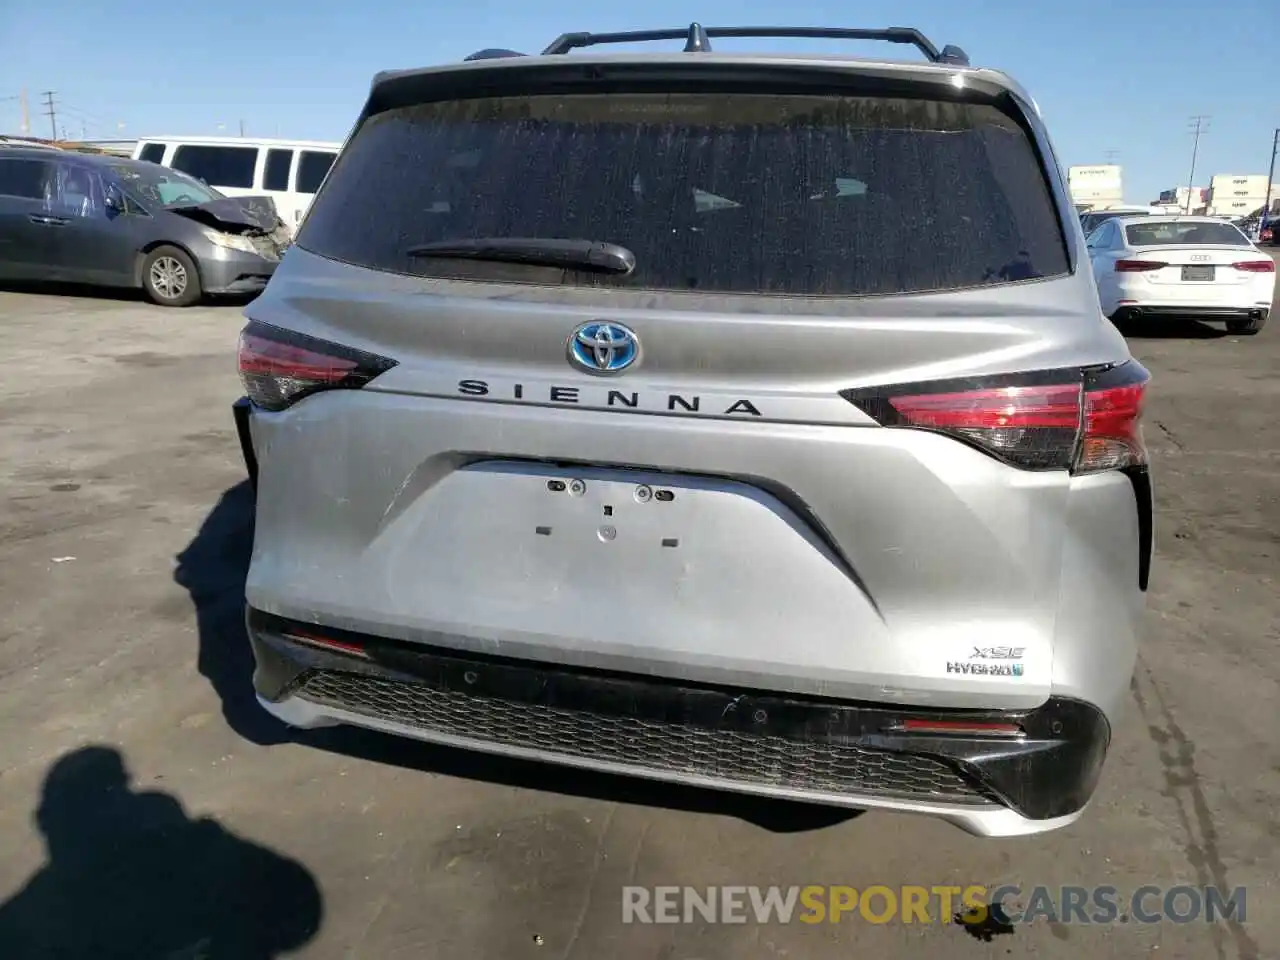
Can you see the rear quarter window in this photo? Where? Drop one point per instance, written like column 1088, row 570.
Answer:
column 24, row 177
column 723, row 192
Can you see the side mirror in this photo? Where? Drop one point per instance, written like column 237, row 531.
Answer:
column 113, row 201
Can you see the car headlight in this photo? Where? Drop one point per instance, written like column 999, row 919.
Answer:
column 231, row 241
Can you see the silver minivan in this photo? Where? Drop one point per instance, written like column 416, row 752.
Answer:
column 740, row 420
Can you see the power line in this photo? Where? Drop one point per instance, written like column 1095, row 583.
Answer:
column 50, row 112
column 1199, row 125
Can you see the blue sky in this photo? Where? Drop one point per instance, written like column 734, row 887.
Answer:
column 1109, row 76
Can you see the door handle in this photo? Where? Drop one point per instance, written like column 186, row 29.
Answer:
column 47, row 221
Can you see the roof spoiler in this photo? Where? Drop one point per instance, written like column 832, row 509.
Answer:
column 697, row 39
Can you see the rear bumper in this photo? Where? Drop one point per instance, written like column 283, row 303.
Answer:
column 1187, row 311
column 820, row 750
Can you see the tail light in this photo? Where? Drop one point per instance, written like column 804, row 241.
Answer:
column 279, row 367
column 1139, row 266
column 1082, row 421
column 1256, row 266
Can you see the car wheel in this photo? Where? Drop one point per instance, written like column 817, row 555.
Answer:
column 170, row 278
column 1246, row 326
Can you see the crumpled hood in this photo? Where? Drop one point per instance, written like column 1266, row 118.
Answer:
column 234, row 214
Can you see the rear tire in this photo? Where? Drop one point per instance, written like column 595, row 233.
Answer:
column 170, row 278
column 1246, row 326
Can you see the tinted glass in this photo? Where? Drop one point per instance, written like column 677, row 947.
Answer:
column 167, row 188
column 217, row 166
column 312, row 168
column 152, row 153
column 728, row 192
column 1173, row 231
column 23, row 178
column 276, row 174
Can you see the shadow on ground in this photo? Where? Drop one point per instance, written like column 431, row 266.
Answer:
column 213, row 568
column 1180, row 329
column 86, row 292
column 130, row 875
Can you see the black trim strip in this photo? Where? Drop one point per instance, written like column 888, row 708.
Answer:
column 241, row 411
column 1050, row 771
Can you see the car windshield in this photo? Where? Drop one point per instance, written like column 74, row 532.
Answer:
column 1182, row 232
column 164, row 186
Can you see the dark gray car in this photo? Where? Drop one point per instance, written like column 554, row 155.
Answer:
column 85, row 218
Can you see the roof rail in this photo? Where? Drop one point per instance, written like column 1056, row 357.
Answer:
column 698, row 38
column 492, row 53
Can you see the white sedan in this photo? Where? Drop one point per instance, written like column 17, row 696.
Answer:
column 1171, row 266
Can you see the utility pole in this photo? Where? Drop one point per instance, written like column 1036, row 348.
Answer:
column 1271, row 175
column 242, row 128
column 1199, row 124
column 51, row 113
column 26, row 116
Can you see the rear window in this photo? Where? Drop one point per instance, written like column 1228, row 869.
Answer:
column 727, row 192
column 1174, row 232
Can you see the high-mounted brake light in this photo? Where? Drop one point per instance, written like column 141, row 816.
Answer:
column 1256, row 266
column 1082, row 421
column 1139, row 266
column 279, row 367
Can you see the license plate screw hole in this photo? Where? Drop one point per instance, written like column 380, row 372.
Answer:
column 759, row 716
column 470, row 676
column 666, row 496
column 555, row 486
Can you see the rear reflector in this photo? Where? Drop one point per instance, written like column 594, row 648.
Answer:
column 1138, row 266
column 1082, row 421
column 309, row 639
column 279, row 367
column 972, row 728
column 1256, row 266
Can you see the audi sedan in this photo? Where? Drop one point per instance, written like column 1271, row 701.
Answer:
column 1194, row 267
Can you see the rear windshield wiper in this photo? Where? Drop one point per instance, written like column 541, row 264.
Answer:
column 589, row 254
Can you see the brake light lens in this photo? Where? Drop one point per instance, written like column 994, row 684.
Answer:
column 279, row 367
column 1256, row 266
column 1082, row 421
column 1139, row 266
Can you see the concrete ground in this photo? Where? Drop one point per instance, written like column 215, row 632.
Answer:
column 124, row 535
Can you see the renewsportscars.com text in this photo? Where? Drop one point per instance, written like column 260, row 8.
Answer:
column 930, row 904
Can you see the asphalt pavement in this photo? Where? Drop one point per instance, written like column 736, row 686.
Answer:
column 148, row 808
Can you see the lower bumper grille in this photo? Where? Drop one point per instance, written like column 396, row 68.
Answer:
column 725, row 755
